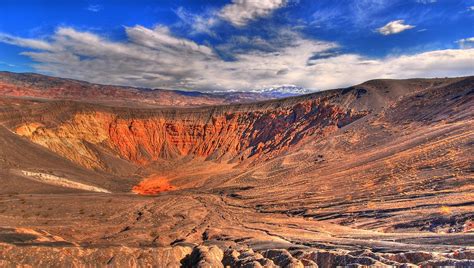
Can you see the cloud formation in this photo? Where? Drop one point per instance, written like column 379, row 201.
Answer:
column 240, row 12
column 24, row 42
column 394, row 27
column 466, row 42
column 7, row 64
column 426, row 1
column 198, row 23
column 94, row 8
column 154, row 57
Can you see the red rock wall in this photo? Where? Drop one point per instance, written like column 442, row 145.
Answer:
column 212, row 134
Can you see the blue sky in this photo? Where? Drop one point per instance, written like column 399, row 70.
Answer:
column 239, row 44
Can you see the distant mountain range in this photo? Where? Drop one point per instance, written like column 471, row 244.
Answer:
column 272, row 92
column 283, row 91
column 33, row 85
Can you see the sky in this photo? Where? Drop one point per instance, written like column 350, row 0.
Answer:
column 237, row 44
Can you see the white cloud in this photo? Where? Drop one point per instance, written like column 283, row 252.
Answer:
column 349, row 69
column 471, row 8
column 394, row 27
column 7, row 64
column 240, row 12
column 94, row 8
column 426, row 1
column 198, row 23
column 466, row 42
column 158, row 59
column 24, row 42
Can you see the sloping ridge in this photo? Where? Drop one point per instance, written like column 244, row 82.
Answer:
column 31, row 85
column 79, row 131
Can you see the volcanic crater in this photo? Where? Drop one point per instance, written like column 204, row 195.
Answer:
column 375, row 174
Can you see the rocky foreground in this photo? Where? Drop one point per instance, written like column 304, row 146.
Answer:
column 213, row 256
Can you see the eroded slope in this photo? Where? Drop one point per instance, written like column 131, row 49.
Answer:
column 232, row 133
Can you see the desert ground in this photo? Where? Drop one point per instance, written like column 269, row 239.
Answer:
column 378, row 174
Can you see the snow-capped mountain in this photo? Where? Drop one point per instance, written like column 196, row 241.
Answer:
column 283, row 91
column 264, row 93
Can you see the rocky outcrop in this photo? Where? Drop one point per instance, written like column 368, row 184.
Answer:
column 204, row 257
column 246, row 258
column 283, row 258
column 14, row 256
column 345, row 258
column 212, row 256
